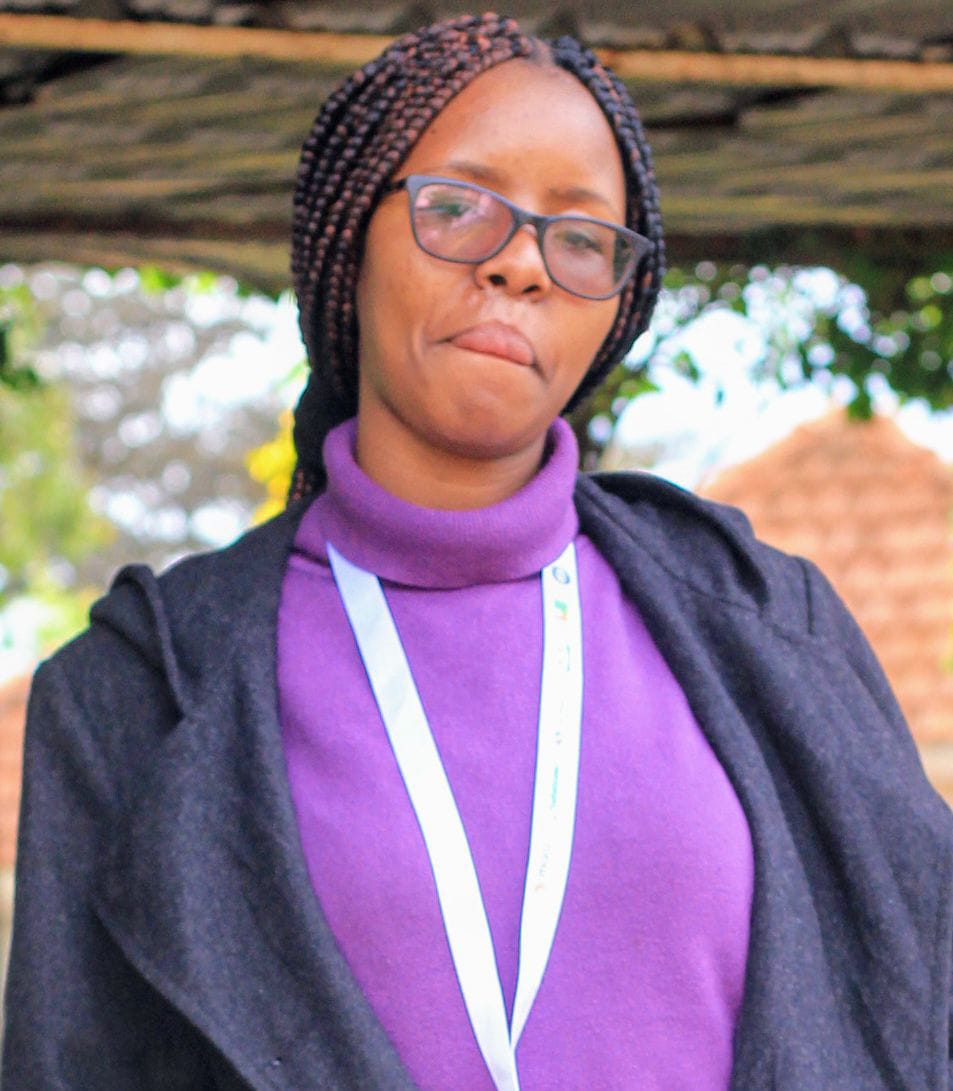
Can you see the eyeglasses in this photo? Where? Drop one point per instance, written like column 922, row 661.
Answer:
column 463, row 222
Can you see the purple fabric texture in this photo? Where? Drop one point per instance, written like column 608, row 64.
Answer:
column 646, row 974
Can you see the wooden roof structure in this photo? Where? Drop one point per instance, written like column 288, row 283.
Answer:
column 875, row 512
column 167, row 131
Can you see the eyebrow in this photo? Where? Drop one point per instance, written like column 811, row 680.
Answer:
column 570, row 194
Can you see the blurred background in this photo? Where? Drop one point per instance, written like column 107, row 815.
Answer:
column 800, row 364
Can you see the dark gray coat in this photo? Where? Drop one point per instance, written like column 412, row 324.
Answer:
column 166, row 935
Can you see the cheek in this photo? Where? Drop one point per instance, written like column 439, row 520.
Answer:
column 584, row 334
column 379, row 307
column 393, row 302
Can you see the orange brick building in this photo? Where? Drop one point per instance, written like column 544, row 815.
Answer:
column 12, row 712
column 13, row 698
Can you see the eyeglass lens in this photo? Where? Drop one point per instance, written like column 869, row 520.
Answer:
column 459, row 223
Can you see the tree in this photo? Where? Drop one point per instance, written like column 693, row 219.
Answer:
column 47, row 524
column 816, row 327
column 46, row 519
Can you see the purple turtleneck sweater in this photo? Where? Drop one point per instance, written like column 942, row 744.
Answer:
column 646, row 974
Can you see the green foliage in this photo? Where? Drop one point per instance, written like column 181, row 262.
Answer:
column 912, row 347
column 154, row 280
column 46, row 524
column 44, row 511
column 806, row 339
column 18, row 326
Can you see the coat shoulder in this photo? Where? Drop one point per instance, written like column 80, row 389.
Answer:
column 166, row 629
column 706, row 548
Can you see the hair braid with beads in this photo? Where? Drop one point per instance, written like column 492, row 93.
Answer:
column 362, row 134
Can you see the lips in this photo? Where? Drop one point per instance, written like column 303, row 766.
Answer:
column 496, row 339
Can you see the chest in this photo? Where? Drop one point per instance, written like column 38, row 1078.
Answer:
column 661, row 878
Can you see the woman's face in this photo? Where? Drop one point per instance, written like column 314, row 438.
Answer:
column 536, row 136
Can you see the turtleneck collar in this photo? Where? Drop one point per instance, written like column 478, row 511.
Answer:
column 435, row 548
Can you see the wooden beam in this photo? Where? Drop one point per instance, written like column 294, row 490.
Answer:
column 773, row 70
column 66, row 33
column 61, row 32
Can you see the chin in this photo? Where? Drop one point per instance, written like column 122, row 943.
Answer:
column 487, row 431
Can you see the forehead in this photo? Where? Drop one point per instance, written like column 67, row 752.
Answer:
column 531, row 124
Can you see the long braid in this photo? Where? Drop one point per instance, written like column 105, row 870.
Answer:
column 364, row 131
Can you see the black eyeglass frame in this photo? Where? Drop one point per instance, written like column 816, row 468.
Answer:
column 413, row 183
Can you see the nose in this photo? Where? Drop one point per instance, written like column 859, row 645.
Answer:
column 518, row 268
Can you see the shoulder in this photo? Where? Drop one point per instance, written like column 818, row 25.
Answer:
column 707, row 549
column 169, row 630
column 769, row 625
column 697, row 570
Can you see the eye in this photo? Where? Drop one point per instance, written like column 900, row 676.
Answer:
column 450, row 204
column 580, row 238
column 448, row 208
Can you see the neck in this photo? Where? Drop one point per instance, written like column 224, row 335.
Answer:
column 409, row 468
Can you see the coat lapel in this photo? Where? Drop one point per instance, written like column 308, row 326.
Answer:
column 207, row 891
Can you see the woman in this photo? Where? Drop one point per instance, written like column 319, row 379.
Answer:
column 465, row 772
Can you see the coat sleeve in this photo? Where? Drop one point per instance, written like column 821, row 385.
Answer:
column 76, row 1014
column 830, row 618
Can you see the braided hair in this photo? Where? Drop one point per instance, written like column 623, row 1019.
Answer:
column 362, row 134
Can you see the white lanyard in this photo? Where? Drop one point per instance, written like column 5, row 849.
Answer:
column 554, row 799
